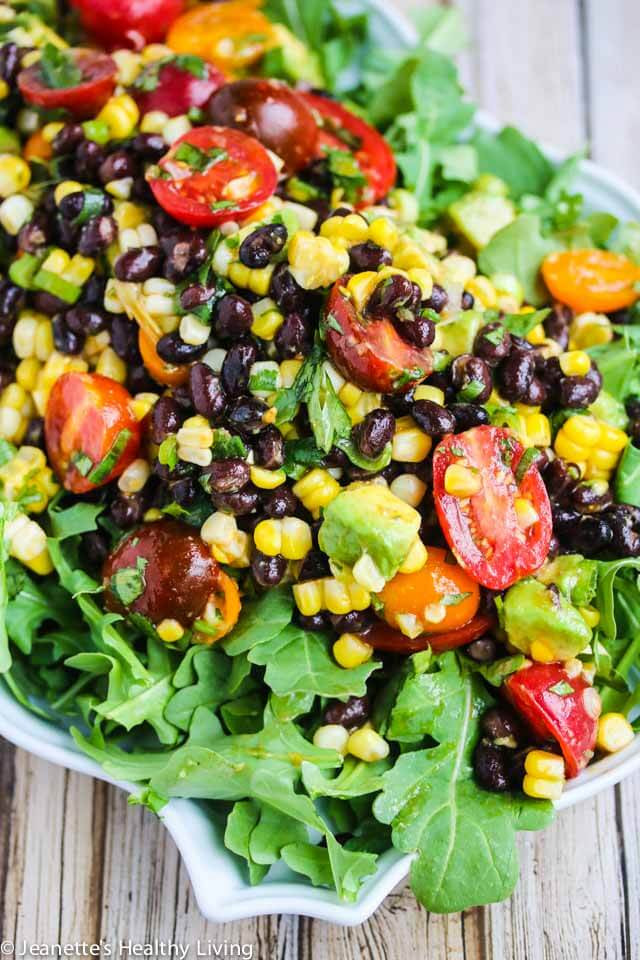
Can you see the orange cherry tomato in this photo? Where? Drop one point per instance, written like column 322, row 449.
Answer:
column 586, row 280
column 90, row 429
column 37, row 148
column 230, row 35
column 166, row 373
column 226, row 599
column 442, row 586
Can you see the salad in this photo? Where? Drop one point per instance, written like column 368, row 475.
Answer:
column 319, row 436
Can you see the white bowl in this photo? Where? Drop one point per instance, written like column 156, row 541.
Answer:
column 218, row 877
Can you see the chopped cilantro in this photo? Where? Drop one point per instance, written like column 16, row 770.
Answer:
column 222, row 204
column 200, row 160
column 330, row 322
column 226, row 445
column 264, row 381
column 562, row 689
column 58, row 69
column 453, row 599
column 495, row 336
column 7, row 451
column 147, row 81
column 346, row 173
column 128, row 583
column 102, row 470
column 82, row 462
column 168, row 452
column 527, row 460
column 471, row 391
column 457, row 451
column 407, row 376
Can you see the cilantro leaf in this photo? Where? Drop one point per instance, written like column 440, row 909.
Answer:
column 58, row 69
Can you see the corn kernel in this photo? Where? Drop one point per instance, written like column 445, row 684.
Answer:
column 384, row 232
column 15, row 211
column 111, row 365
column 176, row 127
column 349, row 394
column 143, row 403
column 537, row 336
column 268, row 537
column 482, row 290
column 410, row 444
column 415, row 559
column 133, row 478
column 612, row 439
column 351, row 651
column 538, row 430
column 336, row 596
column 195, row 432
column 220, row 528
column 366, row 573
column 296, row 538
column 590, row 615
column 308, row 597
column 424, row 280
column 267, row 479
column 410, row 488
column 316, row 261
column 539, row 763
column 574, row 363
column 541, row 788
column 614, row 732
column 526, row 513
column 568, row 450
column 316, row 489
column 170, row 630
column 603, row 459
column 121, row 115
column 425, row 392
column 15, row 175
column 367, row 745
column 332, row 736
column 352, row 229
column 27, row 373
column 540, row 652
column 461, row 481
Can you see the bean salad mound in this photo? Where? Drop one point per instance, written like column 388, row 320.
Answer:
column 319, row 438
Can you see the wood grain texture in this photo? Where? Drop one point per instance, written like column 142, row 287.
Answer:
column 78, row 863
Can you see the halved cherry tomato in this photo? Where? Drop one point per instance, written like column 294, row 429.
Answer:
column 231, row 35
column 482, row 530
column 383, row 637
column 161, row 570
column 175, row 86
column 237, row 176
column 90, row 429
column 226, row 600
column 591, row 280
column 560, row 706
column 162, row 372
column 37, row 147
column 84, row 99
column 371, row 353
column 117, row 23
column 340, row 129
column 271, row 112
column 442, row 586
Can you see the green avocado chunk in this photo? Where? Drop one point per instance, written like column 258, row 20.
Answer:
column 574, row 576
column 368, row 518
column 457, row 336
column 531, row 611
column 478, row 215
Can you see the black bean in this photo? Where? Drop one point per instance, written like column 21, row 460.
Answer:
column 65, row 340
column 34, row 436
column 537, row 393
column 124, row 336
column 35, row 234
column 471, row 377
column 227, row 476
column 127, row 511
column 315, row 622
column 294, row 337
column 195, row 295
column 139, row 380
column 262, row 245
column 281, row 503
column 368, row 256
column 93, row 290
column 434, row 419
column 467, row 301
column 84, row 320
column 351, row 714
column 625, row 540
column 245, row 415
column 268, row 448
column 96, row 235
column 438, row 300
column 184, row 256
column 516, row 374
column 490, row 767
column 150, row 146
column 165, row 419
column 588, row 536
column 182, row 396
column 483, row 650
column 67, row 140
column 95, row 547
column 239, row 504
column 559, row 479
column 172, row 349
column 71, row 206
column 206, row 391
column 237, row 365
column 374, row 432
column 492, row 343
column 233, row 316
column 48, row 303
column 419, row 330
column 588, row 498
column 88, row 157
column 501, row 725
column 184, row 492
column 468, row 415
column 286, row 292
column 396, row 298
column 632, row 404
column 314, row 566
column 556, row 324
column 10, row 62
column 116, row 166
column 268, row 571
column 138, row 264
column 577, row 392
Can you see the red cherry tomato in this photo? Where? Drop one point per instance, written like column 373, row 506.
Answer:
column 91, row 431
column 271, row 112
column 372, row 355
column 560, row 706
column 342, row 130
column 214, row 174
column 162, row 570
column 175, row 86
column 118, row 22
column 84, row 99
column 483, row 530
column 383, row 637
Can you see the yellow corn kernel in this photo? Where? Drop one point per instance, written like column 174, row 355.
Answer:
column 134, row 476
column 352, row 229
column 539, row 763
column 583, row 430
column 14, row 396
column 569, row 450
column 316, row 489
column 367, row 745
column 384, row 232
column 289, row 370
column 538, row 430
column 268, row 537
column 526, row 513
column 541, row 653
column 590, row 330
column 415, row 559
column 27, row 373
column 484, row 291
column 424, row 280
column 332, row 736
column 316, row 261
column 459, row 269
column 537, row 336
column 336, row 596
column 267, row 324
column 361, row 286
column 121, row 115
column 409, row 488
column 408, row 255
column 349, row 394
column 143, row 403
column 425, row 392
column 603, row 459
column 267, row 479
column 80, row 269
column 64, row 189
column 614, row 732
column 612, row 438
column 590, row 615
column 461, row 481
column 57, row 261
column 111, row 365
column 43, row 343
column 127, row 215
column 308, row 597
column 351, row 651
column 195, row 432
column 410, row 444
column 296, row 538
column 258, row 281
column 542, row 789
column 27, row 542
column 15, row 175
column 574, row 363
column 13, row 425
column 170, row 630
column 129, row 66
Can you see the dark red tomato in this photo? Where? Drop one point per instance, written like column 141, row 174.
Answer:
column 214, row 174
column 342, row 130
column 83, row 99
column 483, row 529
column 383, row 637
column 162, row 570
column 559, row 706
column 371, row 354
column 271, row 112
column 175, row 86
column 117, row 23
column 90, row 429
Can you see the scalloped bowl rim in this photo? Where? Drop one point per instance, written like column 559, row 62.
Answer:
column 216, row 874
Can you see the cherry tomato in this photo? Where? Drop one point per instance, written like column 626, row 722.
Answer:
column 37, row 147
column 226, row 601
column 342, row 130
column 166, row 373
column 231, row 35
column 483, row 530
column 175, row 86
column 560, row 706
column 383, row 637
column 162, row 570
column 442, row 586
column 91, row 431
column 591, row 280
column 85, row 98
column 237, row 176
column 271, row 112
column 118, row 22
column 372, row 355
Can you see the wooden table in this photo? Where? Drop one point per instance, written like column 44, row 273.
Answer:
column 79, row 864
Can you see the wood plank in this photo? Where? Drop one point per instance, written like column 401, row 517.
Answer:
column 628, row 832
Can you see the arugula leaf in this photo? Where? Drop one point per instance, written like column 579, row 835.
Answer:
column 519, row 248
column 516, row 160
column 261, row 621
column 7, row 513
column 240, row 824
column 619, row 364
column 627, row 480
column 76, row 519
column 520, row 324
column 328, row 417
column 356, row 779
column 203, row 679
